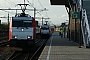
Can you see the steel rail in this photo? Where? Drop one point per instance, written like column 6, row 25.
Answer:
column 13, row 57
column 4, row 43
column 27, row 56
column 27, row 53
column 37, row 50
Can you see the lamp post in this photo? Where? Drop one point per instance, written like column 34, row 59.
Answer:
column 75, row 36
column 80, row 40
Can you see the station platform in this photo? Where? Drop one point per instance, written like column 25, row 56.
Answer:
column 58, row 48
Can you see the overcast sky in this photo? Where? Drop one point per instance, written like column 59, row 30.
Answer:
column 56, row 13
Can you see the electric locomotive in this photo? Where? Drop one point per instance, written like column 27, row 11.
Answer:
column 45, row 31
column 22, row 30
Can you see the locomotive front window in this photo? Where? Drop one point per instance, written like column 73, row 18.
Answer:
column 27, row 23
column 45, row 27
column 17, row 23
column 21, row 23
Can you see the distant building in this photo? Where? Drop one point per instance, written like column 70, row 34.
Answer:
column 4, row 23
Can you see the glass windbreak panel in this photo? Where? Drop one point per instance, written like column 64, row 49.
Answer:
column 21, row 23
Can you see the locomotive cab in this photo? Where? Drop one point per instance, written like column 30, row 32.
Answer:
column 45, row 31
column 22, row 30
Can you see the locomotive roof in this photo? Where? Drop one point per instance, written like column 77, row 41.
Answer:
column 22, row 18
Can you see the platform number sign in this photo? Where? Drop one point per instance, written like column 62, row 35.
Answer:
column 75, row 15
column 63, row 24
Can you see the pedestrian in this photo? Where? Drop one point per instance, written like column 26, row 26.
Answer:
column 61, row 33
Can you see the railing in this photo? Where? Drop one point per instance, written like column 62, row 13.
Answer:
column 85, row 29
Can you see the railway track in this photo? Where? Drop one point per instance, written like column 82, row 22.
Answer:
column 4, row 41
column 29, row 55
column 38, row 51
column 3, row 38
column 19, row 55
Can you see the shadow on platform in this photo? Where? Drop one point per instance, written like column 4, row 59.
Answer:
column 56, row 40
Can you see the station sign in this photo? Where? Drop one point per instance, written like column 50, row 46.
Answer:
column 63, row 24
column 75, row 15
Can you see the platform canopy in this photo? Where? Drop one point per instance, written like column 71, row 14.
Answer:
column 60, row 2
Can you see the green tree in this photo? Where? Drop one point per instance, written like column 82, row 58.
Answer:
column 3, row 27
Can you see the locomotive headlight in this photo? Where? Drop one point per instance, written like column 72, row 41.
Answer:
column 22, row 29
column 15, row 37
column 29, row 37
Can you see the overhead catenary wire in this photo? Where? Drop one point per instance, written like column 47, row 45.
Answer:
column 38, row 11
column 42, row 7
column 34, row 7
column 30, row 4
column 9, row 12
column 40, row 3
column 33, row 2
column 12, row 2
column 8, row 1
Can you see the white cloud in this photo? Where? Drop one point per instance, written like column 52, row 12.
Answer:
column 63, row 16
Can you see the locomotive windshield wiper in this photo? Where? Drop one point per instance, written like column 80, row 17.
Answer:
column 17, row 27
column 26, row 27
